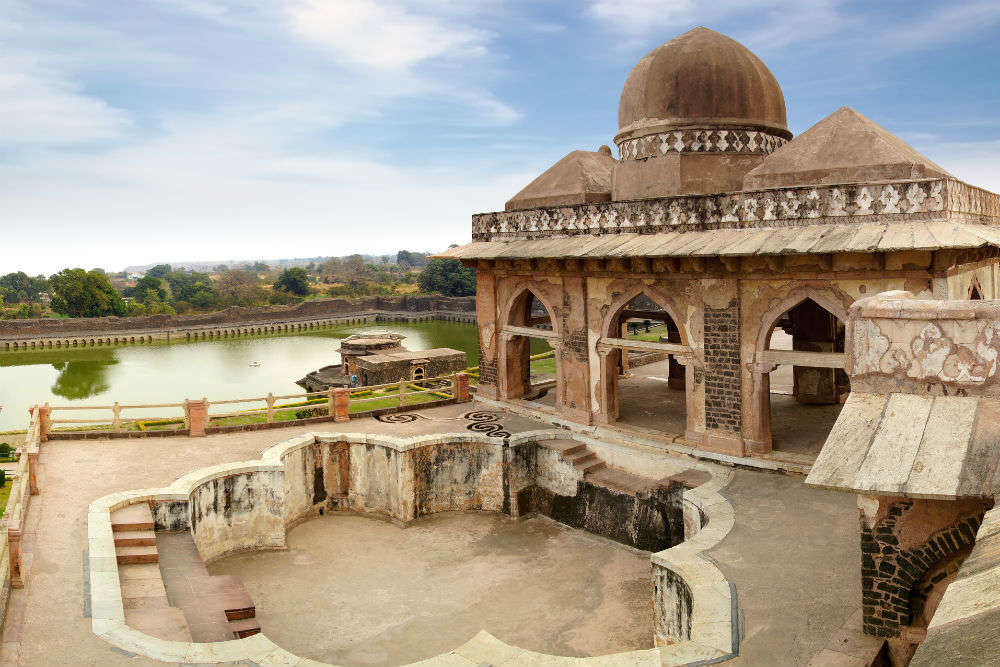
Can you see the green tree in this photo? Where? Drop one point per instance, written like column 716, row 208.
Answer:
column 19, row 287
column 448, row 277
column 149, row 285
column 159, row 271
column 294, row 281
column 80, row 293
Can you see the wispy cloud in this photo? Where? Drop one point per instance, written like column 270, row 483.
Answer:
column 40, row 106
column 383, row 35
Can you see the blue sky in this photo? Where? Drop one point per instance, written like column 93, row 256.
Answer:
column 148, row 130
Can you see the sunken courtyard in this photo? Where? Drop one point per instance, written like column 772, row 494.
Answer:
column 767, row 432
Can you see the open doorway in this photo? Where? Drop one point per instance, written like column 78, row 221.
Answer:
column 645, row 387
column 530, row 366
column 805, row 401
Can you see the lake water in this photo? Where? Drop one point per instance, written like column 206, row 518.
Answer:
column 169, row 373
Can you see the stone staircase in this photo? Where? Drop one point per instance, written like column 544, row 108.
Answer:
column 206, row 607
column 577, row 454
column 135, row 541
column 597, row 471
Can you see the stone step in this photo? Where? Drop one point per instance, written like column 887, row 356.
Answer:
column 228, row 593
column 619, row 480
column 132, row 518
column 135, row 555
column 169, row 623
column 690, row 478
column 135, row 538
column 244, row 627
column 586, row 461
column 564, row 446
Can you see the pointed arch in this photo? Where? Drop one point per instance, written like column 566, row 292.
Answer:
column 514, row 368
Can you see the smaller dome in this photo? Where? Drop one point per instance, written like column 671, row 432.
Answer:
column 701, row 79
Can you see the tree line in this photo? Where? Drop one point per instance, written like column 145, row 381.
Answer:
column 163, row 289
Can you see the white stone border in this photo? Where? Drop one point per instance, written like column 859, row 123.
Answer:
column 714, row 618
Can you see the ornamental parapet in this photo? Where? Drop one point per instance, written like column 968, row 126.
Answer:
column 902, row 344
column 899, row 201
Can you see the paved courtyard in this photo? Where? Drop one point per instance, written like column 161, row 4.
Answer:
column 786, row 537
column 397, row 595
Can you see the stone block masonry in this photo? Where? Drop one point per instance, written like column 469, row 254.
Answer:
column 723, row 402
column 897, row 572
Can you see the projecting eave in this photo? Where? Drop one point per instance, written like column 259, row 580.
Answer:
column 808, row 239
column 917, row 446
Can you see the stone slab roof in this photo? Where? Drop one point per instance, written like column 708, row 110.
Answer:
column 582, row 177
column 410, row 355
column 844, row 147
column 819, row 238
column 918, row 446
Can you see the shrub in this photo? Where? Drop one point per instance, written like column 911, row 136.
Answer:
column 3, row 478
column 311, row 412
column 5, row 449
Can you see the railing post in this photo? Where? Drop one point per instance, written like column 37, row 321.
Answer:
column 461, row 391
column 187, row 415
column 44, row 422
column 197, row 417
column 14, row 545
column 341, row 404
column 270, row 407
column 116, row 419
column 402, row 392
column 331, row 408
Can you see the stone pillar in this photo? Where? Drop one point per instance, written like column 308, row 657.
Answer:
column 515, row 376
column 610, row 401
column 197, row 417
column 461, row 389
column 572, row 356
column 813, row 329
column 44, row 422
column 723, row 372
column 16, row 561
column 694, row 399
column 624, row 362
column 33, row 470
column 341, row 405
column 675, row 377
column 489, row 343
column 758, row 426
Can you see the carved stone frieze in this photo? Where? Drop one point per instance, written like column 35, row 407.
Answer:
column 902, row 201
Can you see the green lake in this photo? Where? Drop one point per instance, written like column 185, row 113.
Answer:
column 169, row 373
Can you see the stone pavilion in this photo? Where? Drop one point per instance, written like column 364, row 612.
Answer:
column 739, row 233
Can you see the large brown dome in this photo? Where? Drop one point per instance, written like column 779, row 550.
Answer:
column 701, row 79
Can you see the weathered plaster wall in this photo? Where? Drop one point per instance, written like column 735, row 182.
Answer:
column 461, row 476
column 238, row 512
column 172, row 515
column 674, row 604
column 382, row 482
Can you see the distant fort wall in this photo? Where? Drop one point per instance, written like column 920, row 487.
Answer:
column 233, row 321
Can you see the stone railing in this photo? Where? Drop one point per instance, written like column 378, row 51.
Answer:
column 338, row 404
column 23, row 485
column 386, row 476
column 878, row 202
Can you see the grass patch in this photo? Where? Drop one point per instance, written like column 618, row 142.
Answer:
column 5, row 494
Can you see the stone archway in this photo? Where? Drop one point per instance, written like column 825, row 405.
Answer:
column 821, row 314
column 523, row 311
column 656, row 406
